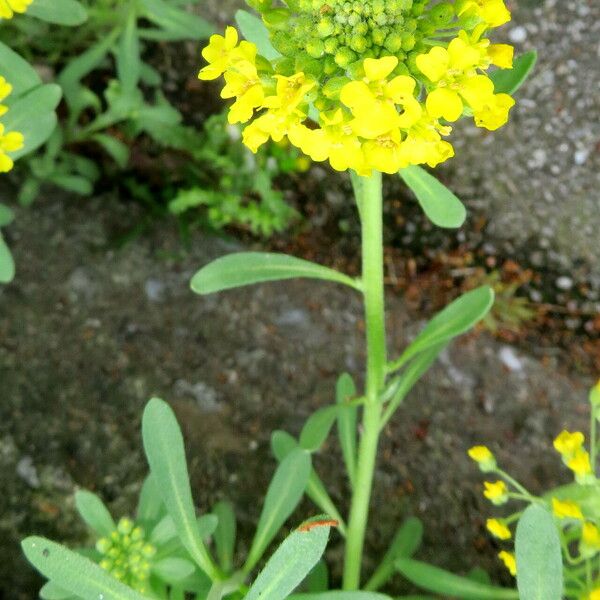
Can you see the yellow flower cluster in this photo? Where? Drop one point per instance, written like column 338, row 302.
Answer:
column 483, row 456
column 379, row 112
column 9, row 142
column 8, row 8
column 574, row 455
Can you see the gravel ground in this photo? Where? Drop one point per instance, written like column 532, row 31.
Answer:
column 89, row 333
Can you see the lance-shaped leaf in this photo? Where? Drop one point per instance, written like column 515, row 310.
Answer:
column 165, row 451
column 539, row 559
column 94, row 513
column 290, row 563
column 51, row 591
column 59, row 12
column 128, row 54
column 404, row 544
column 179, row 23
column 23, row 77
column 454, row 320
column 284, row 494
column 246, row 268
column 342, row 595
column 441, row 206
column 508, row 81
column 282, row 443
column 255, row 31
column 75, row 573
column 225, row 534
column 317, row 428
column 442, row 582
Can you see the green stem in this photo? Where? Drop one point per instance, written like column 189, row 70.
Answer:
column 369, row 200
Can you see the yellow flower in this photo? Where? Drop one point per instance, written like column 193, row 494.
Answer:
column 579, row 463
column 385, row 152
column 222, row 51
column 334, row 140
column 589, row 544
column 290, row 92
column 501, row 55
column 508, row 558
column 568, row 443
column 9, row 142
column 5, row 91
column 243, row 83
column 498, row 529
column 8, row 8
column 566, row 509
column 594, row 594
column 492, row 12
column 483, row 457
column 457, row 83
column 496, row 492
column 373, row 100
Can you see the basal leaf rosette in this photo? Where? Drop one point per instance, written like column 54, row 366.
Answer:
column 367, row 85
column 8, row 8
column 9, row 142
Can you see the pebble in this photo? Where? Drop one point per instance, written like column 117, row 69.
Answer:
column 518, row 35
column 564, row 283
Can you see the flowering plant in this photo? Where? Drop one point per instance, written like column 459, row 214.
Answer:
column 373, row 87
column 574, row 507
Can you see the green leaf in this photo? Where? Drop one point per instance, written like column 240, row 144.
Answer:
column 115, row 148
column 539, row 559
column 290, row 564
column 317, row 428
column 128, row 53
column 181, row 24
column 51, row 591
column 93, row 511
column 73, row 183
column 282, row 443
column 404, row 544
column 255, row 31
column 173, row 569
column 508, row 81
column 20, row 74
column 150, row 505
column 340, row 595
column 318, row 579
column 440, row 205
column 164, row 531
column 439, row 581
column 346, row 423
column 454, row 320
column 59, row 12
column 7, row 216
column 246, row 268
column 7, row 264
column 225, row 534
column 284, row 494
column 33, row 115
column 75, row 573
column 207, row 525
column 164, row 448
column 401, row 385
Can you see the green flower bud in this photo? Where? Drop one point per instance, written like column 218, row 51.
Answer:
column 284, row 43
column 410, row 25
column 378, row 7
column 358, row 43
column 315, row 48
column 277, row 18
column 408, row 41
column 378, row 36
column 330, row 66
column 393, row 42
column 325, row 27
column 418, row 8
column 441, row 14
column 361, row 28
column 344, row 56
column 331, row 45
column 333, row 87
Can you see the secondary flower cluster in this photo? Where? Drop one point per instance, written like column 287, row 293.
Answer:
column 575, row 506
column 368, row 85
column 8, row 8
column 9, row 142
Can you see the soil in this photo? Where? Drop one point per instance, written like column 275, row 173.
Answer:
column 89, row 332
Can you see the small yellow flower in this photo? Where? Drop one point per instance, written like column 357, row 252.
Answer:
column 565, row 509
column 568, row 443
column 9, row 142
column 498, row 529
column 243, row 83
column 496, row 492
column 483, row 457
column 579, row 463
column 590, row 540
column 492, row 12
column 8, row 8
column 594, row 595
column 222, row 51
column 501, row 55
column 508, row 558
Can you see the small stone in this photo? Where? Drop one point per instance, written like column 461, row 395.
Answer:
column 155, row 290
column 580, row 157
column 27, row 471
column 564, row 283
column 518, row 35
column 510, row 359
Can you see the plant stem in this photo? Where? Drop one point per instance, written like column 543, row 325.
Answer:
column 369, row 199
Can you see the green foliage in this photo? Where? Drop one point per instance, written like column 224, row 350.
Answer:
column 539, row 560
column 508, row 81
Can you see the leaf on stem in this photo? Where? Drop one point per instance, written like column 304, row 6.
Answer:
column 539, row 559
column 508, row 81
column 347, row 416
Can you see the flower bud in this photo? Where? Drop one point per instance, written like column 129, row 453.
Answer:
column 344, row 56
column 315, row 47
